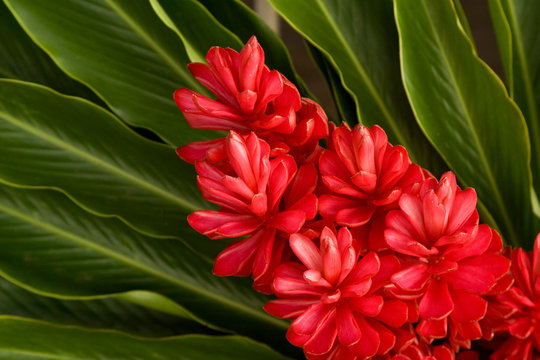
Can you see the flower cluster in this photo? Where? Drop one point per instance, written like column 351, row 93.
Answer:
column 367, row 253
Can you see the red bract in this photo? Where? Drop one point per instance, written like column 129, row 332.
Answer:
column 448, row 260
column 250, row 97
column 523, row 325
column 333, row 297
column 365, row 172
column 260, row 199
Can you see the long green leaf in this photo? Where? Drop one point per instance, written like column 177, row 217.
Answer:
column 121, row 50
column 242, row 21
column 198, row 36
column 66, row 143
column 360, row 38
column 107, row 313
column 343, row 101
column 21, row 59
column 33, row 340
column 463, row 108
column 516, row 27
column 53, row 247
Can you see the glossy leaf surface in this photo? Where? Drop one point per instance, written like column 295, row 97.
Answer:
column 463, row 108
column 29, row 340
column 111, row 313
column 244, row 22
column 121, row 50
column 70, row 144
column 55, row 248
column 516, row 26
column 360, row 38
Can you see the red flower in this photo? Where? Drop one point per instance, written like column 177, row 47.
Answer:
column 260, row 198
column 523, row 324
column 250, row 97
column 449, row 260
column 365, row 172
column 334, row 298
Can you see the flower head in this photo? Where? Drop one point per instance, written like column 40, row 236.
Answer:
column 365, row 172
column 448, row 261
column 335, row 297
column 250, row 98
column 522, row 323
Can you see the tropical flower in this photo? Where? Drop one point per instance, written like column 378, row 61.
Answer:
column 256, row 202
column 250, row 97
column 364, row 172
column 448, row 261
column 335, row 298
column 522, row 324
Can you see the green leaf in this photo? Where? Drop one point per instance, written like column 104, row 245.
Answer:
column 54, row 248
column 463, row 19
column 72, row 145
column 516, row 27
column 463, row 108
column 242, row 21
column 197, row 35
column 504, row 40
column 360, row 39
column 121, row 50
column 343, row 101
column 111, row 312
column 30, row 339
column 21, row 59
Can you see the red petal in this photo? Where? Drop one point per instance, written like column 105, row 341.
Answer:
column 436, row 302
column 369, row 342
column 468, row 307
column 323, row 338
column 210, row 222
column 197, row 151
column 290, row 221
column 289, row 280
column 330, row 255
column 330, row 205
column 413, row 278
column 370, row 305
column 348, row 331
column 521, row 327
column 368, row 266
column 309, row 321
column 306, row 251
column 287, row 308
column 387, row 338
column 462, row 209
column 432, row 329
column 356, row 216
column 393, row 313
column 237, row 258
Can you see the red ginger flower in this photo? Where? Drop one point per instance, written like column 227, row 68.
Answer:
column 449, row 262
column 260, row 198
column 334, row 299
column 523, row 325
column 365, row 172
column 250, row 97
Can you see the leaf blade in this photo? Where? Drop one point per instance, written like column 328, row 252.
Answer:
column 43, row 340
column 56, row 249
column 360, row 39
column 69, row 144
column 122, row 51
column 481, row 135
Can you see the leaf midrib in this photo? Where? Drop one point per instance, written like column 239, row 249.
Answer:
column 100, row 163
column 480, row 149
column 155, row 46
column 525, row 72
column 81, row 241
column 369, row 84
